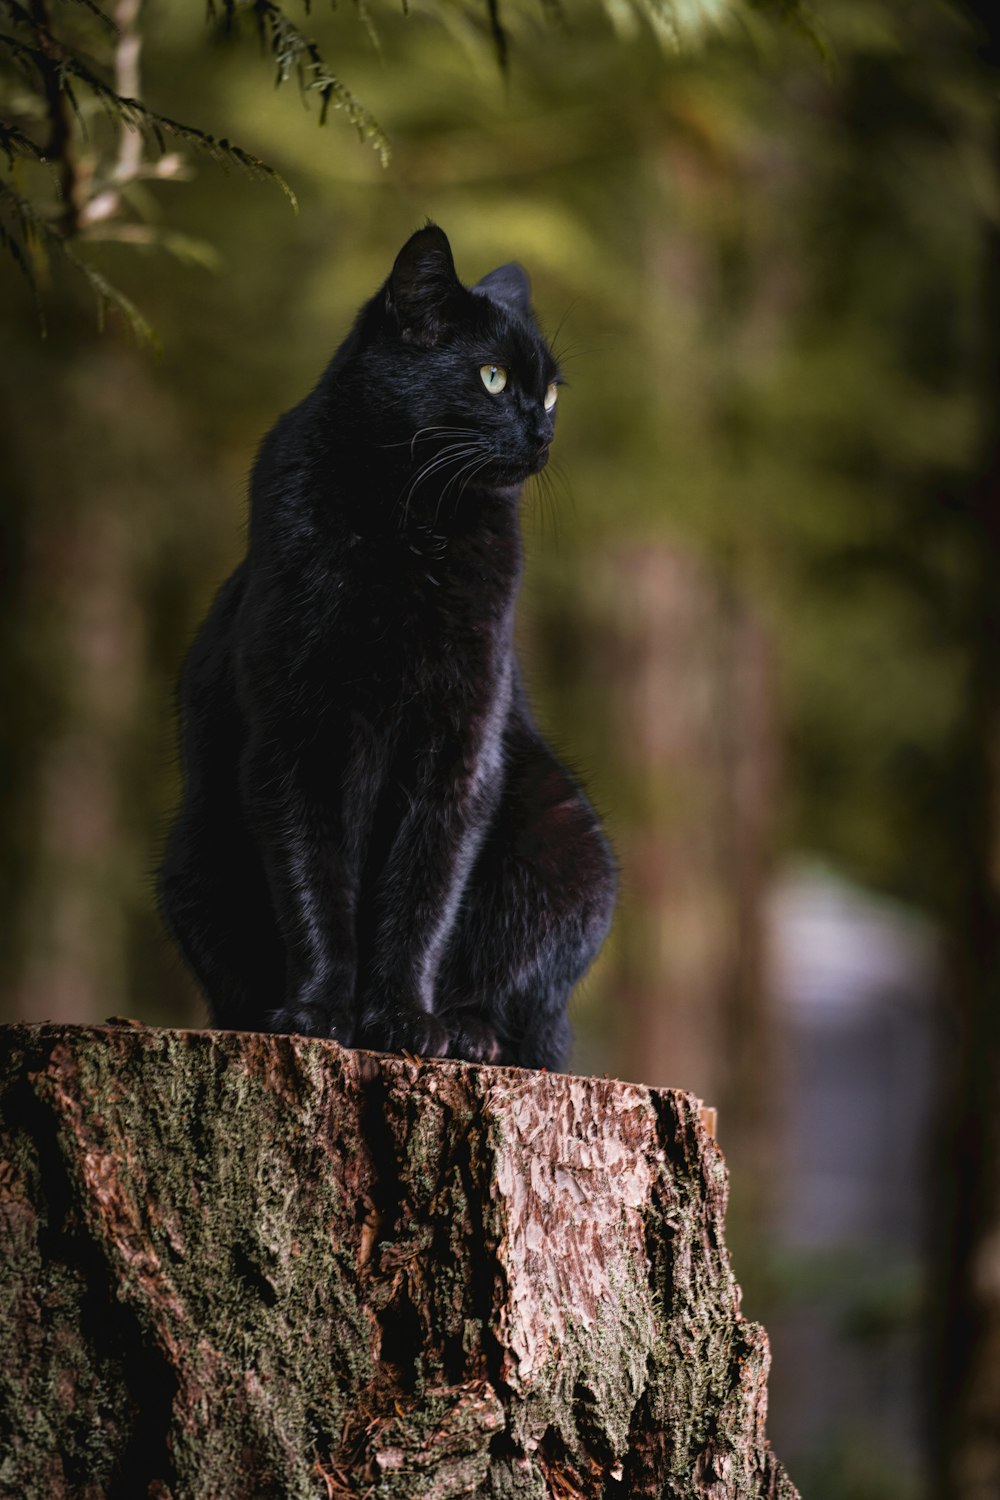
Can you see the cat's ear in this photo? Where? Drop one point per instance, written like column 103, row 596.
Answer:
column 508, row 285
column 423, row 285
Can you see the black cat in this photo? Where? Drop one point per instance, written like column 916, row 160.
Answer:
column 375, row 842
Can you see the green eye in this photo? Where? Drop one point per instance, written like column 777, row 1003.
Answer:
column 550, row 396
column 494, row 378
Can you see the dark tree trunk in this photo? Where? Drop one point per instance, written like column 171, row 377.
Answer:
column 245, row 1265
column 966, row 1363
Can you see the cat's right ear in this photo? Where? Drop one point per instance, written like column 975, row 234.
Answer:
column 423, row 285
column 508, row 285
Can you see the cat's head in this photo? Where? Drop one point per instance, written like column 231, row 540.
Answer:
column 461, row 374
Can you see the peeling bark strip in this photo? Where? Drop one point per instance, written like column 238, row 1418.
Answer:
column 249, row 1266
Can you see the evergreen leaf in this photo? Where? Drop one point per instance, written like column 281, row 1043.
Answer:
column 107, row 22
column 108, row 295
column 33, row 226
column 20, row 51
column 228, row 8
column 498, row 34
column 219, row 148
column 72, row 67
column 14, row 142
column 368, row 22
column 798, row 15
column 295, row 53
column 21, row 16
column 16, row 250
column 29, row 220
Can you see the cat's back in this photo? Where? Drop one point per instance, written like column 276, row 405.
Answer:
column 211, row 720
column 207, row 673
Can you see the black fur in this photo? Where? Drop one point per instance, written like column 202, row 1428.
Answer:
column 375, row 842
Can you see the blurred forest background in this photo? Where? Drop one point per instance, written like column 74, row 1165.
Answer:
column 762, row 608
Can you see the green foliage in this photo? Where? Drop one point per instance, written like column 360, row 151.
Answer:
column 296, row 55
column 76, row 135
column 80, row 142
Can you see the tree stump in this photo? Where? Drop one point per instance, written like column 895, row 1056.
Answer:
column 239, row 1265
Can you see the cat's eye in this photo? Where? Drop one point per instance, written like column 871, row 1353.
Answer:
column 550, row 396
column 494, row 378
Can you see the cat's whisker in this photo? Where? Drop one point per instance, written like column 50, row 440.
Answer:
column 562, row 489
column 442, row 457
column 473, row 460
column 470, row 470
column 439, row 429
column 464, row 460
column 474, row 475
column 483, row 455
column 554, row 339
column 541, row 500
column 470, row 473
column 441, row 432
column 551, row 489
column 453, row 453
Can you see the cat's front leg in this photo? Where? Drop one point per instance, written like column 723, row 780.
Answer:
column 535, row 912
column 417, row 903
column 297, row 823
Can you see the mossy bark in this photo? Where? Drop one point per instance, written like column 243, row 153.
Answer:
column 251, row 1266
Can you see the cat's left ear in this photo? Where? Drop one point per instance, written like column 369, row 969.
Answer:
column 423, row 285
column 508, row 285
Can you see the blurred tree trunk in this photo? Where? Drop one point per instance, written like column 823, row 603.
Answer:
column 93, row 522
column 254, row 1265
column 83, row 557
column 967, row 1364
column 687, row 671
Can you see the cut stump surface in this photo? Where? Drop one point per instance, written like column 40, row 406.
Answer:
column 239, row 1265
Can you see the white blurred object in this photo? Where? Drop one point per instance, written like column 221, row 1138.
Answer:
column 855, row 979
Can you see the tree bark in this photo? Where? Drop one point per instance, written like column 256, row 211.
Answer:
column 254, row 1266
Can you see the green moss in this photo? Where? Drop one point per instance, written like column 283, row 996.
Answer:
column 219, row 1243
column 188, row 1209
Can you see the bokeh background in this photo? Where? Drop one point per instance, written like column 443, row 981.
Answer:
column 760, row 616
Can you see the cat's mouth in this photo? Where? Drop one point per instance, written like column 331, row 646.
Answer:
column 516, row 471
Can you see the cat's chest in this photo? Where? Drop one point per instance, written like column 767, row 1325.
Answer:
column 426, row 666
column 431, row 614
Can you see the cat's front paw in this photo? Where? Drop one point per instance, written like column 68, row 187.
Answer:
column 474, row 1040
column 404, row 1029
column 311, row 1020
column 315, row 1009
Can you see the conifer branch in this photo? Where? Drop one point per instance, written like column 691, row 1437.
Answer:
column 59, row 85
column 37, row 230
column 59, row 100
column 128, row 167
column 108, row 295
column 70, row 66
column 14, row 142
column 101, row 15
column 17, row 207
column 364, row 15
column 295, row 53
